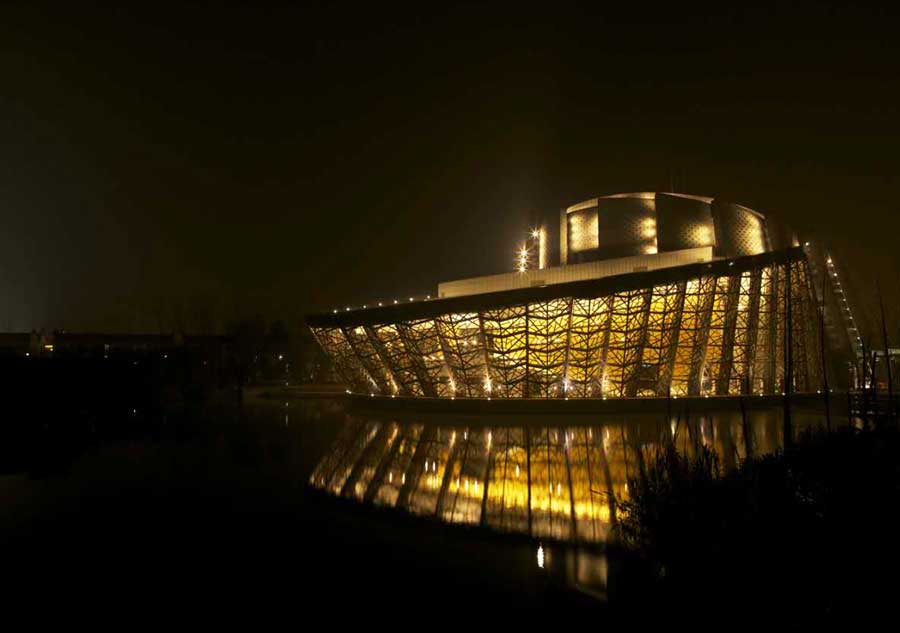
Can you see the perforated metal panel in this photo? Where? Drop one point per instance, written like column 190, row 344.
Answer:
column 631, row 224
column 582, row 227
column 779, row 235
column 626, row 226
column 683, row 223
column 739, row 231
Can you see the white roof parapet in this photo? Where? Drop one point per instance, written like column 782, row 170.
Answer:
column 573, row 272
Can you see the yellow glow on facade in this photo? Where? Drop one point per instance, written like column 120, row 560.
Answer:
column 702, row 234
column 583, row 231
column 708, row 334
column 540, row 235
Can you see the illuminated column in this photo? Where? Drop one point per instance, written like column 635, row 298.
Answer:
column 774, row 342
column 385, row 340
column 588, row 332
column 638, row 338
column 423, row 362
column 462, row 338
column 542, row 247
column 726, row 359
column 565, row 372
column 488, row 383
column 747, row 370
column 706, row 290
column 604, row 348
column 563, row 238
column 669, row 351
column 426, row 340
column 368, row 357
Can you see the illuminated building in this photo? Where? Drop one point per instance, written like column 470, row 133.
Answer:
column 656, row 294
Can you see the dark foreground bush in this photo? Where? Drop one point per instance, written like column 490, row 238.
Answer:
column 812, row 531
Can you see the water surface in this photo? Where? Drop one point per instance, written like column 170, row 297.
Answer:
column 545, row 477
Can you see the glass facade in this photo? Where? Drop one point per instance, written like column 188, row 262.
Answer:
column 717, row 333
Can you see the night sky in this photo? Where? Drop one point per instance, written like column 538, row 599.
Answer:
column 217, row 162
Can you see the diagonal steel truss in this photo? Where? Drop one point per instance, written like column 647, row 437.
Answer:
column 705, row 335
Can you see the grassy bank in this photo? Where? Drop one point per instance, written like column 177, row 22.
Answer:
column 811, row 531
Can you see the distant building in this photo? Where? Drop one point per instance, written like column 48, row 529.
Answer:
column 102, row 345
column 20, row 344
column 654, row 294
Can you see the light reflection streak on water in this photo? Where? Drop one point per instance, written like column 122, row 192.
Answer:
column 548, row 481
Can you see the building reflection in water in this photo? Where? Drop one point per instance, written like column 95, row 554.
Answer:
column 558, row 482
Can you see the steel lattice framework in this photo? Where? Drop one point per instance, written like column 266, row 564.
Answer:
column 711, row 329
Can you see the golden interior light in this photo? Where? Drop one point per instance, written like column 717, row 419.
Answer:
column 636, row 342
